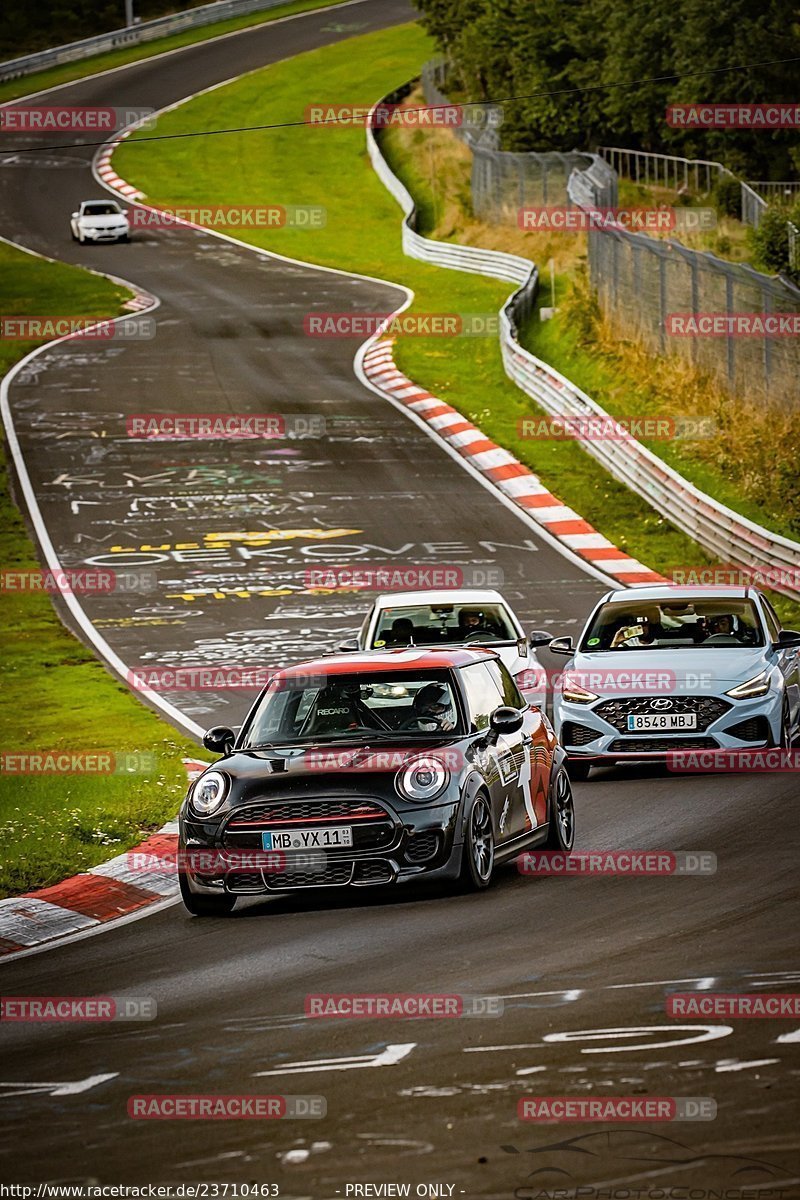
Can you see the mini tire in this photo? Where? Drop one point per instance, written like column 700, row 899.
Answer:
column 561, row 825
column 477, row 857
column 204, row 906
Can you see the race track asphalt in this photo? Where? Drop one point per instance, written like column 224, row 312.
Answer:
column 567, row 955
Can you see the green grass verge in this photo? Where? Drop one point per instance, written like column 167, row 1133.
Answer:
column 54, row 694
column 330, row 166
column 64, row 73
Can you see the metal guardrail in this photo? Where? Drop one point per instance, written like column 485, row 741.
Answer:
column 672, row 171
column 730, row 537
column 145, row 31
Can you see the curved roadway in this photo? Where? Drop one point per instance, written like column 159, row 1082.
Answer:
column 425, row 1101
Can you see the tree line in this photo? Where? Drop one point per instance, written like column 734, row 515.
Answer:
column 593, row 51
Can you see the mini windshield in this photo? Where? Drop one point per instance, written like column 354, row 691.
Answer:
column 444, row 624
column 101, row 208
column 376, row 705
column 666, row 624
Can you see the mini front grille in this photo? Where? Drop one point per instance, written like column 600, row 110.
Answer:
column 422, row 846
column 278, row 812
column 708, row 709
column 754, row 729
column 334, row 875
column 577, row 735
column 634, row 745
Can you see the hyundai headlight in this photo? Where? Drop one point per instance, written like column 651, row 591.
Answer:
column 759, row 685
column 209, row 793
column 422, row 779
column 575, row 692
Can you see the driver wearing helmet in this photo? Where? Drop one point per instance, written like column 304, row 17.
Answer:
column 471, row 621
column 432, row 709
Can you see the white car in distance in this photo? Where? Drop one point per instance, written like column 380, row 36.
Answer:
column 100, row 221
column 456, row 617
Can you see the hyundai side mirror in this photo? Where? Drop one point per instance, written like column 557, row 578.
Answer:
column 787, row 638
column 219, row 740
column 539, row 637
column 561, row 645
column 504, row 720
column 348, row 646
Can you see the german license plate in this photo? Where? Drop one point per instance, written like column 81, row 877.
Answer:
column 308, row 839
column 661, row 721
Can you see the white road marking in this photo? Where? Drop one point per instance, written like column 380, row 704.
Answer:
column 698, row 1033
column 734, row 1064
column 54, row 1089
column 387, row 1058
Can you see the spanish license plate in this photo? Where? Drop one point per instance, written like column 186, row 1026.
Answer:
column 308, row 839
column 661, row 721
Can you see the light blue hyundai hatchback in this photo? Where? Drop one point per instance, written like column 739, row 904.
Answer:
column 662, row 669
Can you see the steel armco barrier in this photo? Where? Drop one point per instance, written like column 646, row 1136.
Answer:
column 146, row 31
column 730, row 537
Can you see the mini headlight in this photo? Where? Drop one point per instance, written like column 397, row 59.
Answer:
column 759, row 685
column 422, row 779
column 209, row 792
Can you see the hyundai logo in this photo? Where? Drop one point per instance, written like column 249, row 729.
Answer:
column 661, row 705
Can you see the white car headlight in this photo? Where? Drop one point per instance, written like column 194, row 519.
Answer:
column 575, row 692
column 759, row 685
column 422, row 779
column 209, row 792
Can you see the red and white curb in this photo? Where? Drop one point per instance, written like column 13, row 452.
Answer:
column 511, row 477
column 109, row 175
column 96, row 897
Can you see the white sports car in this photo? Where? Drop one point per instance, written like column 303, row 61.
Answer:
column 99, row 221
column 456, row 617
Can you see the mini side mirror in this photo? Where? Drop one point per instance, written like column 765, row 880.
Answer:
column 504, row 720
column 219, row 740
column 348, row 646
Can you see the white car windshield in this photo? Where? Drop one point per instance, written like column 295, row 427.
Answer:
column 668, row 624
column 444, row 624
column 102, row 208
column 375, row 705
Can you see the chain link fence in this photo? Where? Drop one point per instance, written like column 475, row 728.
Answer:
column 502, row 181
column 642, row 283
